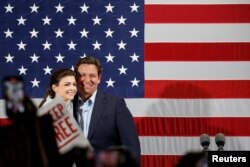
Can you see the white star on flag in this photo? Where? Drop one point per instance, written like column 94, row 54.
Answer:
column 8, row 8
column 134, row 57
column 59, row 33
column 46, row 20
column 72, row 20
column 47, row 70
column 9, row 58
column 109, row 33
column 8, row 33
column 109, row 8
column 46, row 45
column 22, row 70
column 134, row 32
column 59, row 58
column 71, row 45
column 34, row 58
column 84, row 55
column 84, row 33
column 35, row 83
column 122, row 70
column 121, row 20
column 96, row 20
column 110, row 83
column 84, row 8
column 121, row 45
column 21, row 45
column 59, row 8
column 34, row 8
column 33, row 33
column 109, row 58
column 21, row 21
column 134, row 8
column 97, row 45
column 135, row 82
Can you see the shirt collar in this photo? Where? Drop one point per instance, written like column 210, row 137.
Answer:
column 92, row 98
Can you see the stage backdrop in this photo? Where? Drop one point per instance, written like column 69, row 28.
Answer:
column 182, row 65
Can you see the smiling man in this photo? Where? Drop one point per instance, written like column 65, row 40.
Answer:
column 105, row 119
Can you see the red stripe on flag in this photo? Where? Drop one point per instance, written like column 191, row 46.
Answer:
column 159, row 160
column 197, row 89
column 197, row 51
column 174, row 126
column 5, row 122
column 232, row 13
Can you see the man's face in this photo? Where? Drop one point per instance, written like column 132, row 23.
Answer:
column 87, row 80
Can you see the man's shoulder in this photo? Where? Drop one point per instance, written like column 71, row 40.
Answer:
column 109, row 96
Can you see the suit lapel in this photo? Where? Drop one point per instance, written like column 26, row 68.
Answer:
column 98, row 109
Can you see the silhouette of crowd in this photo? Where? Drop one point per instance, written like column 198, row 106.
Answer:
column 29, row 141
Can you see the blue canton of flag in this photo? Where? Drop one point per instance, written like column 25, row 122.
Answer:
column 37, row 37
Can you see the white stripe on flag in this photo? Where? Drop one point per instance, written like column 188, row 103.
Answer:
column 181, row 145
column 189, row 107
column 180, row 107
column 197, row 33
column 197, row 2
column 197, row 70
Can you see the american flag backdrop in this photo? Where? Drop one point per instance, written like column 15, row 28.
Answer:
column 182, row 66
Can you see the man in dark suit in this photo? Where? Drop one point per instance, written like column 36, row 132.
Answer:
column 105, row 119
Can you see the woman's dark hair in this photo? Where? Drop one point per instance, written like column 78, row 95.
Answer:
column 54, row 80
column 89, row 60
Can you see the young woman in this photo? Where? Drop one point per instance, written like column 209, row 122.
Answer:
column 62, row 83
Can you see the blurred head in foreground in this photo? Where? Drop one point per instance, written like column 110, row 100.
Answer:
column 116, row 157
column 193, row 159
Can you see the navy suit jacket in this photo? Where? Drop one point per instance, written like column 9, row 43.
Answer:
column 111, row 124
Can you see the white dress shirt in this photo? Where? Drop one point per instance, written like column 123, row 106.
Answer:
column 85, row 110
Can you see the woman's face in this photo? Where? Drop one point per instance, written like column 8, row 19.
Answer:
column 66, row 88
